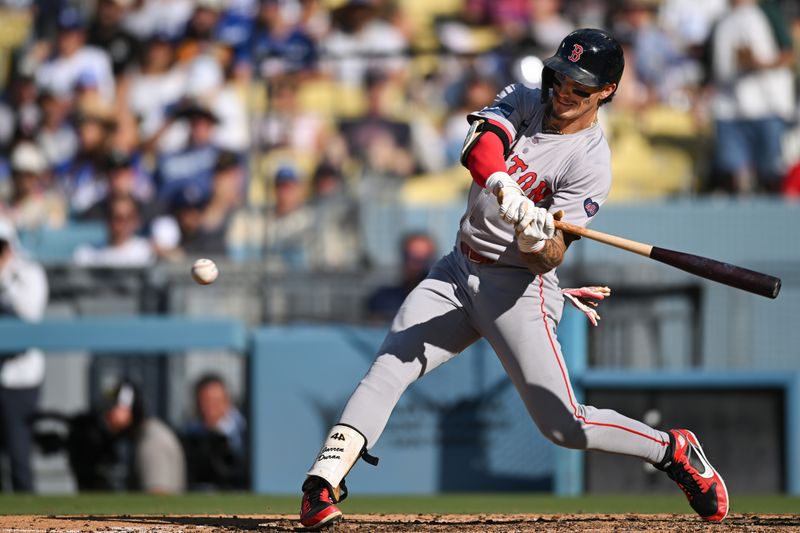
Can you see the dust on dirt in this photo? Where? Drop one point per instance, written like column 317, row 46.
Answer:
column 405, row 523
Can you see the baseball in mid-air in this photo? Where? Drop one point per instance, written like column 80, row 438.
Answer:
column 204, row 271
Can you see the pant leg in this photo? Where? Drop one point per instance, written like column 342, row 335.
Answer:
column 430, row 328
column 17, row 406
column 522, row 331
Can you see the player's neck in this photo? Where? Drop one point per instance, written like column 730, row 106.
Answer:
column 561, row 126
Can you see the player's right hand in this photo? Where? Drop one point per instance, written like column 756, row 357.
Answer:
column 535, row 227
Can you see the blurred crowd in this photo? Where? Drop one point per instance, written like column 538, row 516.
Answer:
column 263, row 129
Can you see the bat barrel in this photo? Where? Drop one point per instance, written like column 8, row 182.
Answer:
column 732, row 275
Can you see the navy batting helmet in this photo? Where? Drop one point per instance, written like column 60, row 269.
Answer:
column 590, row 57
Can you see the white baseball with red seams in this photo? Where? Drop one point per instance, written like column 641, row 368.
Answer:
column 204, row 271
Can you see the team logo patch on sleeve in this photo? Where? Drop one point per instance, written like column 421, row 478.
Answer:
column 590, row 207
column 501, row 108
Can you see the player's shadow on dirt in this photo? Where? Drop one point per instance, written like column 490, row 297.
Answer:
column 232, row 522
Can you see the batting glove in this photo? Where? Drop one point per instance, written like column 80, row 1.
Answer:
column 584, row 300
column 536, row 226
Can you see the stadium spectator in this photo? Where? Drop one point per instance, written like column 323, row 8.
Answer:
column 185, row 231
column 57, row 135
column 314, row 19
column 124, row 247
column 207, row 83
column 276, row 47
column 660, row 68
column 500, row 13
column 81, row 178
column 150, row 17
column 418, row 253
column 192, row 166
column 199, row 36
column 32, row 205
column 124, row 178
column 285, row 125
column 288, row 222
column 158, row 462
column 753, row 97
column 360, row 41
column 474, row 92
column 73, row 58
column 154, row 88
column 227, row 192
column 107, row 33
column 548, row 24
column 336, row 243
column 216, row 442
column 379, row 142
column 20, row 113
column 23, row 295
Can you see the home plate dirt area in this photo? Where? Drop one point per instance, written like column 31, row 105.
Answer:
column 384, row 523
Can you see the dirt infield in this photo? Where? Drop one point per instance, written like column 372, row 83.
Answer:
column 400, row 523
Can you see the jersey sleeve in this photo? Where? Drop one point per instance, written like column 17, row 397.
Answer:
column 509, row 110
column 582, row 191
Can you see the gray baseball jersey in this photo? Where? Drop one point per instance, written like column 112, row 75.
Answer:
column 463, row 300
column 557, row 172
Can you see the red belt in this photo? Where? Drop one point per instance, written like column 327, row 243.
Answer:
column 474, row 256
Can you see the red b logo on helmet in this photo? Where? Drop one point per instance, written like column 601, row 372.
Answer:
column 577, row 52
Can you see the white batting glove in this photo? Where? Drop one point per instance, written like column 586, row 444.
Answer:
column 536, row 226
column 584, row 300
column 509, row 195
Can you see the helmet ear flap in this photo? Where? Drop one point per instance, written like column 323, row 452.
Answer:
column 547, row 83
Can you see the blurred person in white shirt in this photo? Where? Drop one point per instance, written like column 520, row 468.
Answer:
column 124, row 247
column 154, row 86
column 23, row 295
column 359, row 41
column 752, row 100
column 72, row 59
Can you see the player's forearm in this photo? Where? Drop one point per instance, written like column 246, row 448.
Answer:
column 548, row 257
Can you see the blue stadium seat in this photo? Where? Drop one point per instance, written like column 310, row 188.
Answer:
column 58, row 245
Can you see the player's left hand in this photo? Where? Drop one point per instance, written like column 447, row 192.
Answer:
column 584, row 300
column 535, row 227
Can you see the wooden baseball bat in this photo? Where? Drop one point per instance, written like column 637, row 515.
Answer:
column 735, row 276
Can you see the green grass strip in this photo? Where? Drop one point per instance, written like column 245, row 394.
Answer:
column 245, row 503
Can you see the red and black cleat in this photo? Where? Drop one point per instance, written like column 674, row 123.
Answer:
column 318, row 508
column 688, row 467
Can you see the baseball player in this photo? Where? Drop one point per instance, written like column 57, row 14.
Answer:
column 532, row 153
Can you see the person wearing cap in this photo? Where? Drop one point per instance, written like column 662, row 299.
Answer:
column 73, row 58
column 192, row 166
column 159, row 464
column 23, row 295
column 276, row 47
column 288, row 223
column 337, row 239
column 124, row 178
column 32, row 205
column 184, row 230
